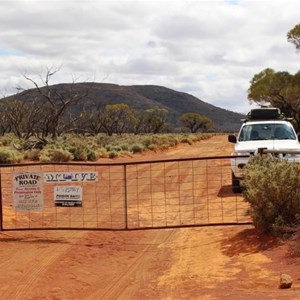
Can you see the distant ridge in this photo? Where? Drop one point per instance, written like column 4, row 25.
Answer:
column 142, row 97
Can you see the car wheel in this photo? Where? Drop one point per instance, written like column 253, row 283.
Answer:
column 236, row 185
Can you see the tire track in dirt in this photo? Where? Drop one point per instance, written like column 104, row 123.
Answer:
column 36, row 257
column 197, row 264
column 122, row 287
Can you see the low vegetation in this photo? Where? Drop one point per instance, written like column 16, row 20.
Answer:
column 71, row 147
column 272, row 187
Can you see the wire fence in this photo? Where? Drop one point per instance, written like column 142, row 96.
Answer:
column 120, row 196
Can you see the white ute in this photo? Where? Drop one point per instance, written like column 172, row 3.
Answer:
column 263, row 128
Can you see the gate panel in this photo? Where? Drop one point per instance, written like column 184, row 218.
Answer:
column 183, row 193
column 102, row 200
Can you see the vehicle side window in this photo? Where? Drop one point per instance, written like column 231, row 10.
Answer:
column 249, row 133
column 244, row 134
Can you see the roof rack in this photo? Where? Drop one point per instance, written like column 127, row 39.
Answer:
column 265, row 113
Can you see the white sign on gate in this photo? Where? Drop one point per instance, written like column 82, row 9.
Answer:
column 52, row 177
column 68, row 196
column 28, row 191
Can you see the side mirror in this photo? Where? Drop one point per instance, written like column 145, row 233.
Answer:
column 232, row 138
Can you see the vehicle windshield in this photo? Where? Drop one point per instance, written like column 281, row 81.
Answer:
column 253, row 132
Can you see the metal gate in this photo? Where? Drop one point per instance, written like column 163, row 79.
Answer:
column 120, row 196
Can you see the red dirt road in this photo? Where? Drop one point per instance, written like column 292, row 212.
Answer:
column 188, row 263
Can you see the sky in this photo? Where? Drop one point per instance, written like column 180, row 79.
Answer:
column 210, row 49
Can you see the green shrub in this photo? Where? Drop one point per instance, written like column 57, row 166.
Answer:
column 113, row 154
column 79, row 152
column 186, row 140
column 124, row 147
column 152, row 147
column 137, row 148
column 125, row 153
column 101, row 153
column 148, row 141
column 116, row 148
column 9, row 156
column 8, row 140
column 82, row 149
column 92, row 148
column 272, row 187
column 32, row 155
column 55, row 155
column 164, row 146
column 108, row 147
column 91, row 155
column 173, row 141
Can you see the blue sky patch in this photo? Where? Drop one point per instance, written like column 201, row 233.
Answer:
column 6, row 52
column 233, row 2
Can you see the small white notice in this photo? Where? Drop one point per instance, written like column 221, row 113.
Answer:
column 70, row 196
column 28, row 191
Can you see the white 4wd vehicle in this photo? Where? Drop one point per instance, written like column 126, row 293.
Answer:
column 263, row 128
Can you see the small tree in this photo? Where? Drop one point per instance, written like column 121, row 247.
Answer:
column 117, row 118
column 195, row 122
column 89, row 121
column 280, row 89
column 5, row 126
column 293, row 36
column 23, row 117
column 153, row 120
column 56, row 104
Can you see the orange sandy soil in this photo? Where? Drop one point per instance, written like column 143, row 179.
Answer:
column 229, row 262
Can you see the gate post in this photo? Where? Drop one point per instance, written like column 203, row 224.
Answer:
column 260, row 151
column 1, row 208
column 125, row 197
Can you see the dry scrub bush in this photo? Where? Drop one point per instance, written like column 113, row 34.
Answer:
column 55, row 155
column 8, row 140
column 101, row 153
column 136, row 148
column 87, row 148
column 113, row 154
column 294, row 246
column 9, row 156
column 186, row 140
column 32, row 154
column 82, row 148
column 272, row 187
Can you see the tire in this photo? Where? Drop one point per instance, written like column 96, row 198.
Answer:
column 236, row 185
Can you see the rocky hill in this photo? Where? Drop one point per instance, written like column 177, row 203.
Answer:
column 142, row 97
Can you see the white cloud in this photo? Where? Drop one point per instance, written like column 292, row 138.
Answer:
column 210, row 49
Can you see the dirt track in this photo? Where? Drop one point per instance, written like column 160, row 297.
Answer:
column 188, row 263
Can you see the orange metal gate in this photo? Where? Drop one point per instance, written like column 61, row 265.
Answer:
column 120, row 196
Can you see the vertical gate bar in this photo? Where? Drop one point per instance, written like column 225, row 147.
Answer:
column 193, row 188
column 151, row 195
column 236, row 208
column 179, row 190
column 207, row 194
column 96, row 199
column 125, row 197
column 138, row 194
column 165, row 194
column 1, row 207
column 222, row 177
column 109, row 196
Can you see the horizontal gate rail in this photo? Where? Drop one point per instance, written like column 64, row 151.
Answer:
column 132, row 162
